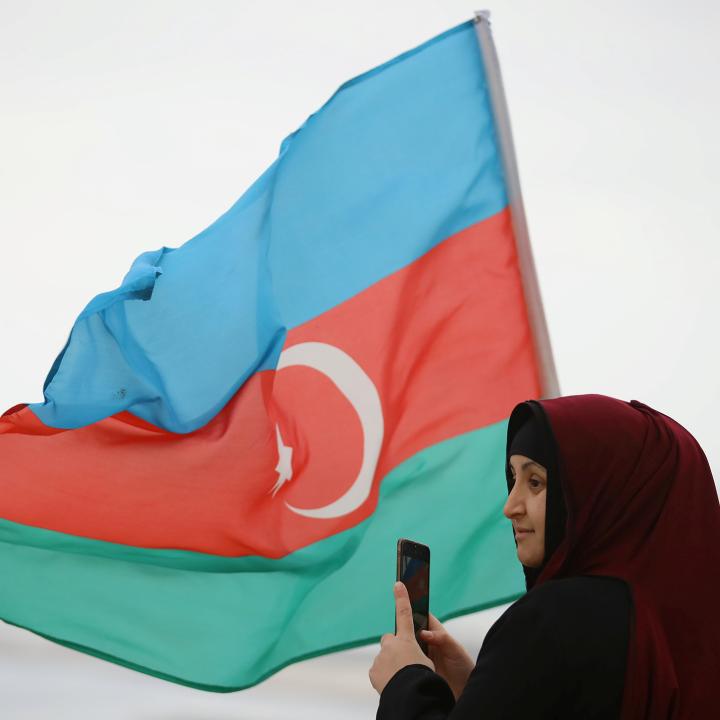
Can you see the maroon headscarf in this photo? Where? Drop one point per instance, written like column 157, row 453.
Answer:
column 641, row 505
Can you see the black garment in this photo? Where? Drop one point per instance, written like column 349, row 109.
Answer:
column 557, row 652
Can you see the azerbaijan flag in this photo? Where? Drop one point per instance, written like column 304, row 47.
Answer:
column 232, row 441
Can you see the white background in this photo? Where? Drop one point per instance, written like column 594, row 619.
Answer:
column 125, row 126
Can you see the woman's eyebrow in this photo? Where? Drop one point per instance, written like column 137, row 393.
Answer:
column 528, row 463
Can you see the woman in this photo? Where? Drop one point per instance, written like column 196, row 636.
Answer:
column 618, row 530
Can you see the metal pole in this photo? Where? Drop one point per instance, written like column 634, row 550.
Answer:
column 531, row 289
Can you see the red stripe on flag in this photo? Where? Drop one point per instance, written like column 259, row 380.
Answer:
column 446, row 343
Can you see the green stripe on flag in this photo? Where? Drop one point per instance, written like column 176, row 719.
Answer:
column 224, row 624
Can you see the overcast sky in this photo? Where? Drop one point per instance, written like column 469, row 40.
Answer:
column 126, row 126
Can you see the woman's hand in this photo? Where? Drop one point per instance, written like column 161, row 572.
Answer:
column 452, row 661
column 397, row 651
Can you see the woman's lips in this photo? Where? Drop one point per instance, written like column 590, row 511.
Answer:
column 522, row 533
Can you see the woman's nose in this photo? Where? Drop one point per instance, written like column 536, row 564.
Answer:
column 513, row 506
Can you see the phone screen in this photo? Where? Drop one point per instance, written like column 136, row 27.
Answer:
column 414, row 572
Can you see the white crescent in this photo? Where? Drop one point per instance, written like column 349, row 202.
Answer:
column 353, row 382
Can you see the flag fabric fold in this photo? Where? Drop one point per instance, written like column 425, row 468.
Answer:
column 232, row 441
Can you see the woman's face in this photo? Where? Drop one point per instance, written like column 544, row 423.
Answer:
column 525, row 507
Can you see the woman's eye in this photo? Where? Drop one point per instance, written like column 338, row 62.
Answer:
column 537, row 482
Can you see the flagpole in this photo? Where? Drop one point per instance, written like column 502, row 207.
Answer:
column 541, row 338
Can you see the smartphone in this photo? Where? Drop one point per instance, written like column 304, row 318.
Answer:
column 413, row 569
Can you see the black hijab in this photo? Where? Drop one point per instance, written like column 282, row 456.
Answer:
column 530, row 434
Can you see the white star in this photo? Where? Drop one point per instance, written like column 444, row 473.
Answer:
column 284, row 466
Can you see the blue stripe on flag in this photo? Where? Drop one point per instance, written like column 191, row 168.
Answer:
column 397, row 160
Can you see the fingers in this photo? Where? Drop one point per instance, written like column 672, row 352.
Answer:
column 435, row 634
column 434, row 623
column 403, row 612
